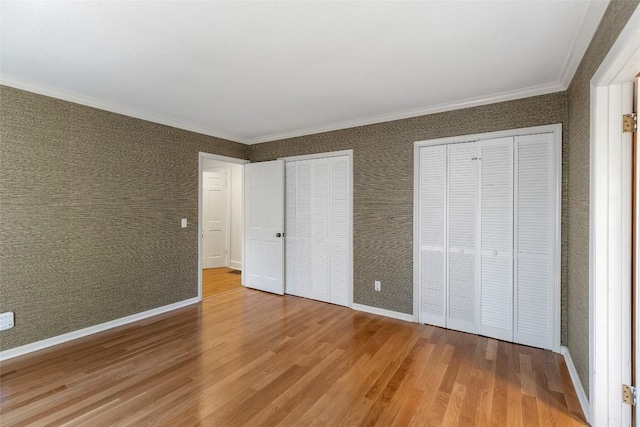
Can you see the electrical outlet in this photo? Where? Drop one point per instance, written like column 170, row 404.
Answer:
column 377, row 286
column 6, row 320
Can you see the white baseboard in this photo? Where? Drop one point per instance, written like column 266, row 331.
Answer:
column 236, row 265
column 383, row 312
column 50, row 342
column 577, row 384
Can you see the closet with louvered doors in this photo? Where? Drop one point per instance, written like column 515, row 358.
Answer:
column 487, row 257
column 318, row 227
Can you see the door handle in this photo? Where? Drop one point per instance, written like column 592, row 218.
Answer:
column 279, row 234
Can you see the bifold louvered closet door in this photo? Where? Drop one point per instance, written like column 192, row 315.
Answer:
column 486, row 222
column 317, row 229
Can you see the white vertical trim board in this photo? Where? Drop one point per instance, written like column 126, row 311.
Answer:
column 552, row 339
column 416, row 233
column 201, row 157
column 582, row 396
column 227, row 231
column 609, row 251
column 70, row 336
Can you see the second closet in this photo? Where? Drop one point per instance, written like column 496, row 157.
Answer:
column 488, row 260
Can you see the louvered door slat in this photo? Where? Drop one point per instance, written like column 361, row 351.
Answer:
column 303, row 228
column 432, row 234
column 290, row 228
column 339, row 185
column 496, row 238
column 320, row 229
column 461, row 229
column 535, row 207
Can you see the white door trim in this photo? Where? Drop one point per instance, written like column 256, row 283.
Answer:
column 349, row 154
column 608, row 321
column 490, row 135
column 201, row 157
column 556, row 129
column 318, row 156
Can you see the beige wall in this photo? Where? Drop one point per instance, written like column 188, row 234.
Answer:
column 90, row 208
column 383, row 183
column 577, row 171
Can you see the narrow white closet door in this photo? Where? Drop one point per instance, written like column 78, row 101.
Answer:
column 433, row 167
column 462, row 307
column 320, row 229
column 534, row 212
column 290, row 228
column 496, row 238
column 339, row 254
column 303, row 226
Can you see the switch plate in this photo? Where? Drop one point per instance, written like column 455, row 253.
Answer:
column 377, row 286
column 184, row 222
column 6, row 320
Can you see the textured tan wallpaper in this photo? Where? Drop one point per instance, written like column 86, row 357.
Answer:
column 90, row 203
column 383, row 184
column 90, row 208
column 577, row 206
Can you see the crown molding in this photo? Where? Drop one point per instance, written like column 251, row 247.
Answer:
column 127, row 111
column 88, row 101
column 588, row 27
column 407, row 114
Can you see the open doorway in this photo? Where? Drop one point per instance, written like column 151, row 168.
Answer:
column 220, row 215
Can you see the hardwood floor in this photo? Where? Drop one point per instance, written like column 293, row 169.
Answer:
column 216, row 281
column 251, row 358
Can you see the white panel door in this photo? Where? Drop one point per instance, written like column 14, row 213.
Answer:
column 496, row 238
column 463, row 289
column 215, row 222
column 433, row 169
column 534, row 240
column 264, row 225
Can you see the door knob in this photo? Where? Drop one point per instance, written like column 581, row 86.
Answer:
column 278, row 234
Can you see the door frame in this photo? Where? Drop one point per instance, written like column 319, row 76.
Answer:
column 609, row 255
column 349, row 154
column 201, row 157
column 556, row 129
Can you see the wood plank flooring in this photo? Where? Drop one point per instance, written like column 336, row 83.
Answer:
column 251, row 358
column 216, row 281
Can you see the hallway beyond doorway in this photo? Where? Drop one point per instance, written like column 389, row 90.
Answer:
column 216, row 281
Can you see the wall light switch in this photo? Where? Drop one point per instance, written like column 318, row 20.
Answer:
column 6, row 320
column 377, row 285
column 184, row 222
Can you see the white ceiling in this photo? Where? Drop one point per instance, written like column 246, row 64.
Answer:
column 259, row 71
